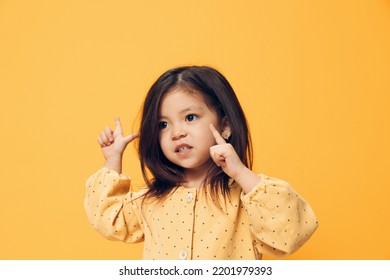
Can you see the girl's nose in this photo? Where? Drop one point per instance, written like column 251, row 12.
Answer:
column 178, row 134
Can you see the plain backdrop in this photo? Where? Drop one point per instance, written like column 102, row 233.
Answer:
column 312, row 76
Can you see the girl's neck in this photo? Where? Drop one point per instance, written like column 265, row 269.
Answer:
column 194, row 184
column 194, row 179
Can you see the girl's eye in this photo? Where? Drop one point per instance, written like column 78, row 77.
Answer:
column 191, row 117
column 163, row 125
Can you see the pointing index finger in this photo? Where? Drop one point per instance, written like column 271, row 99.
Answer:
column 118, row 125
column 217, row 136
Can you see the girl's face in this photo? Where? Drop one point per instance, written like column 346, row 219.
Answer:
column 185, row 137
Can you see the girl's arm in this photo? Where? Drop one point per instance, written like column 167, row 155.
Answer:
column 280, row 219
column 111, row 206
column 108, row 201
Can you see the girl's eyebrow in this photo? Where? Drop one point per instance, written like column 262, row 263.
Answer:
column 191, row 108
column 185, row 110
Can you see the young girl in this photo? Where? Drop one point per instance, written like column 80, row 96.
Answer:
column 201, row 199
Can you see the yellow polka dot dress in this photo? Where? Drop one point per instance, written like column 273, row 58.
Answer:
column 272, row 219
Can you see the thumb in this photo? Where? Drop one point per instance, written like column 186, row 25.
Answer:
column 127, row 139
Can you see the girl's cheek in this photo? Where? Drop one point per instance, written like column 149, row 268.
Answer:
column 163, row 142
column 161, row 137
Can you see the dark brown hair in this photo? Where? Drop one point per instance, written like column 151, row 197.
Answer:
column 219, row 96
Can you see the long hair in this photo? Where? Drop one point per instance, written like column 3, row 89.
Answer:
column 161, row 175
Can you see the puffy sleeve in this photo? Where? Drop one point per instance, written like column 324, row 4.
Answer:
column 112, row 208
column 280, row 219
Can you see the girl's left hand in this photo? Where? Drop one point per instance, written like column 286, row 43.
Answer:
column 225, row 156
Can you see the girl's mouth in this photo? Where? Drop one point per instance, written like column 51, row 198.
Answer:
column 182, row 148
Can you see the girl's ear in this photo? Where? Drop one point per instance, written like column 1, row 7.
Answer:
column 225, row 131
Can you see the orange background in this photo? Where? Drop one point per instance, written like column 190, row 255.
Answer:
column 312, row 76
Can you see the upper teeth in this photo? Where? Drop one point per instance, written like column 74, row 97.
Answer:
column 183, row 148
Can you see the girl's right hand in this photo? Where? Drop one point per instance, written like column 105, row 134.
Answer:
column 113, row 143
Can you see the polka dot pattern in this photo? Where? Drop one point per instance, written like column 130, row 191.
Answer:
column 272, row 219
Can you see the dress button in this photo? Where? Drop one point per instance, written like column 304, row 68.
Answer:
column 190, row 197
column 183, row 254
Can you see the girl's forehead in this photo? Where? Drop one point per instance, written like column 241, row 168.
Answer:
column 180, row 96
column 183, row 99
